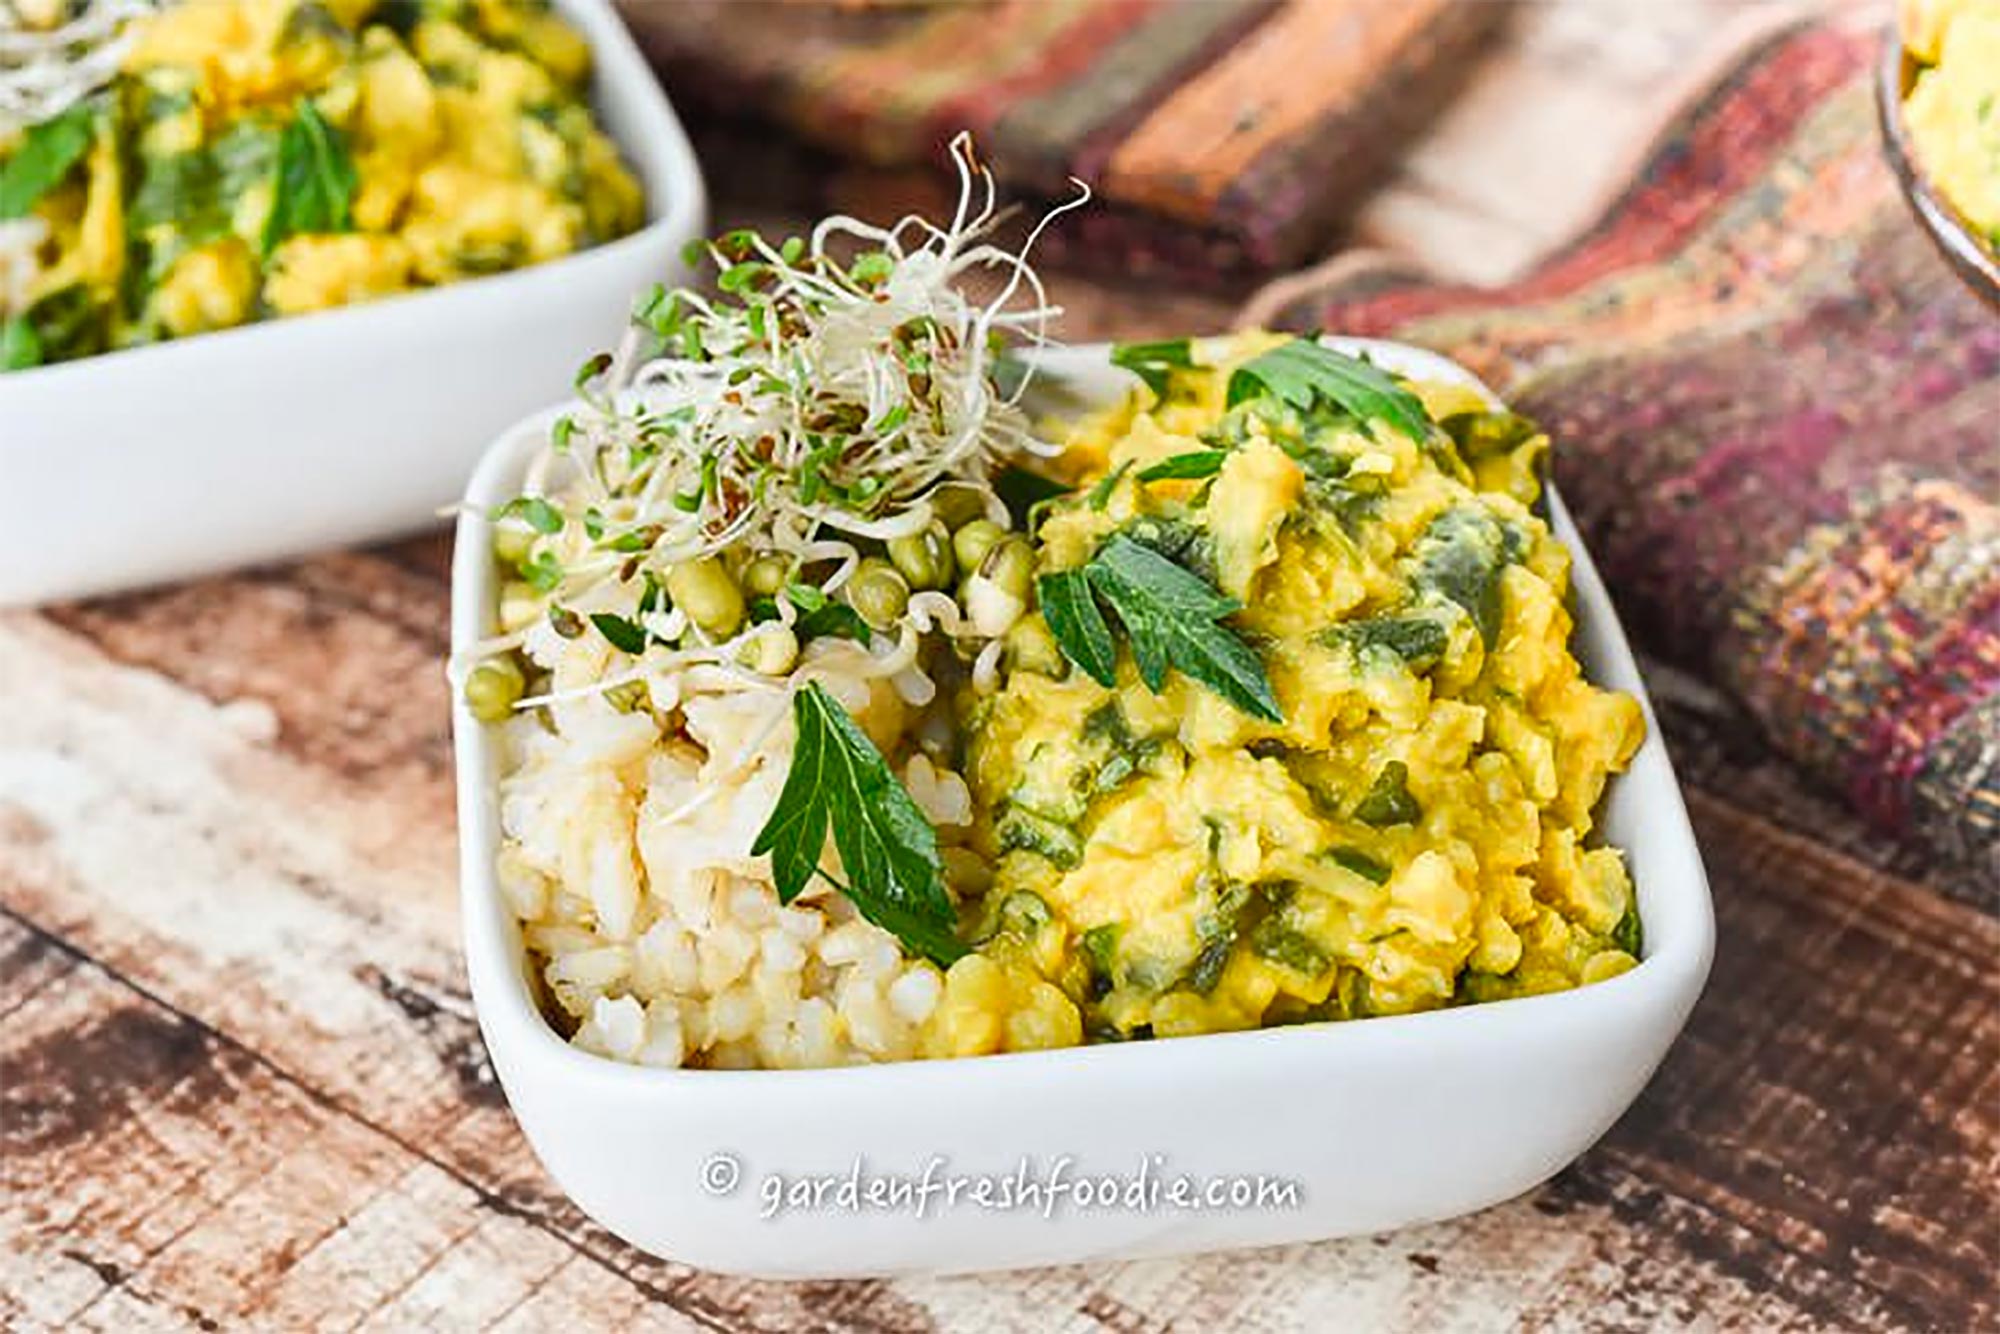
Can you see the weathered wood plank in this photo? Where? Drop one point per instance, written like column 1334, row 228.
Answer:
column 373, row 710
column 1836, row 1092
column 107, row 1124
column 29, row 963
column 485, row 1274
column 126, row 1310
column 43, row 1288
column 151, row 1152
column 160, row 1176
column 574, row 1297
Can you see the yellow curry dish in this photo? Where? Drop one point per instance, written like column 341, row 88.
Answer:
column 1953, row 107
column 843, row 712
column 248, row 159
column 1295, row 732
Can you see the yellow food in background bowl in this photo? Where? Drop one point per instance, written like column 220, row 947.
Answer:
column 1953, row 108
column 257, row 158
column 1411, row 826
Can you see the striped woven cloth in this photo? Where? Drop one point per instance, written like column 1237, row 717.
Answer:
column 1778, row 421
column 1221, row 137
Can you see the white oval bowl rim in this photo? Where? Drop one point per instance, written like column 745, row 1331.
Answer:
column 1680, row 969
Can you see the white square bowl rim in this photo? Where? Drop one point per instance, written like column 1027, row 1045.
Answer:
column 506, row 1009
column 660, row 151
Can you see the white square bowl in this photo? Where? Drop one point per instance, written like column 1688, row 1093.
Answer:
column 1383, row 1122
column 342, row 426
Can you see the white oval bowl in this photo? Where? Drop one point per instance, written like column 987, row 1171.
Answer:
column 342, row 426
column 1384, row 1122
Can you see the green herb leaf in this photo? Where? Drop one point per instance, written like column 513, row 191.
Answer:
column 1024, row 493
column 1100, row 494
column 188, row 199
column 1218, row 930
column 738, row 243
column 812, row 480
column 872, row 267
column 595, row 366
column 1388, row 801
column 1154, row 362
column 1185, row 544
column 1349, row 859
column 316, row 180
column 1070, row 608
column 1483, row 434
column 20, row 346
column 805, row 597
column 1418, row 640
column 1100, row 947
column 543, row 571
column 1198, row 463
column 744, row 277
column 820, row 617
column 536, row 512
column 67, row 323
column 836, row 620
column 625, row 636
column 1628, row 935
column 43, row 158
column 1021, row 830
column 888, row 849
column 1024, row 914
column 1461, row 557
column 659, row 311
column 1303, row 371
column 1272, row 939
column 310, row 20
column 1170, row 618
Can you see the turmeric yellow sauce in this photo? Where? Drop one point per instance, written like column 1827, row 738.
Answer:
column 259, row 158
column 1415, row 825
column 1953, row 111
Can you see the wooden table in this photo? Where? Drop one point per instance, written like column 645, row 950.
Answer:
column 241, row 1086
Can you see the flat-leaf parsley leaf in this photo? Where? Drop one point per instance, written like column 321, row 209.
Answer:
column 43, row 158
column 1171, row 618
column 887, row 848
column 1153, row 362
column 1303, row 370
column 1070, row 608
column 316, row 180
column 1197, row 463
column 626, row 636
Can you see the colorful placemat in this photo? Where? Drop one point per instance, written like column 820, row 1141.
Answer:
column 1220, row 137
column 1778, row 422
